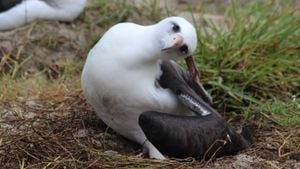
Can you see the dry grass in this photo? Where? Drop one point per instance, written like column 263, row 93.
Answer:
column 60, row 131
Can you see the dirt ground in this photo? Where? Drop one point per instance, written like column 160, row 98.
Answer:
column 46, row 123
column 64, row 132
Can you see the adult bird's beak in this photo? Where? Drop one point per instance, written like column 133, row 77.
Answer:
column 191, row 65
column 172, row 42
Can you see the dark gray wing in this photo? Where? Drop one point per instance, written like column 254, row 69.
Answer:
column 198, row 88
column 202, row 136
column 186, row 89
column 194, row 136
column 7, row 4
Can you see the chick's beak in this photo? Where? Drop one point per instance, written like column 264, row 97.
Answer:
column 172, row 42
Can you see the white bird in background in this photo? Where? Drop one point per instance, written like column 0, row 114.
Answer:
column 120, row 75
column 15, row 13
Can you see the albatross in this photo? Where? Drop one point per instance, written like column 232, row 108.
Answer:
column 15, row 13
column 133, row 83
column 120, row 76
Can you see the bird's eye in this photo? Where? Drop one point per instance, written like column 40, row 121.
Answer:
column 175, row 27
column 184, row 49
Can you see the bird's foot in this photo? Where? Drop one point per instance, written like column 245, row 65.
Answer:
column 150, row 151
column 143, row 153
column 140, row 155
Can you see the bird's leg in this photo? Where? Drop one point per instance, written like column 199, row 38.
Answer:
column 144, row 151
column 149, row 150
column 152, row 151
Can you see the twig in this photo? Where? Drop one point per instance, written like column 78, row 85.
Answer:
column 272, row 165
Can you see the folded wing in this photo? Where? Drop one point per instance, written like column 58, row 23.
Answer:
column 186, row 89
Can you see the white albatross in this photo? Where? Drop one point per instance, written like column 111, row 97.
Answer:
column 120, row 75
column 15, row 13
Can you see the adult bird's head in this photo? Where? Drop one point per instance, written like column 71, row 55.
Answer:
column 177, row 38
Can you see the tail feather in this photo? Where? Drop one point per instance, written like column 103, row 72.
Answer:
column 248, row 132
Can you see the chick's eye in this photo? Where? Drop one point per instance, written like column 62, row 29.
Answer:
column 175, row 28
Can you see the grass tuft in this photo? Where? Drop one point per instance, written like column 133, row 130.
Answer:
column 254, row 57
